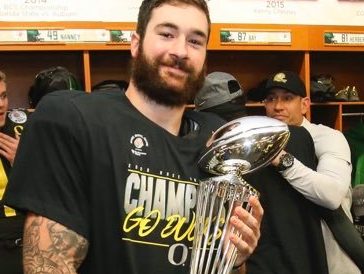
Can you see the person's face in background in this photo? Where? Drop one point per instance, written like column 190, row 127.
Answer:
column 4, row 103
column 286, row 106
column 169, row 63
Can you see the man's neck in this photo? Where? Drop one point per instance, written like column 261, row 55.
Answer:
column 168, row 118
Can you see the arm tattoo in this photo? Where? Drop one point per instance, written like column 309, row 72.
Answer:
column 50, row 247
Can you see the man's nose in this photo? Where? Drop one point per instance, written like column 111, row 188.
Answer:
column 179, row 47
column 278, row 103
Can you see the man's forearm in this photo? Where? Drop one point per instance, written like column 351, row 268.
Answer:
column 50, row 247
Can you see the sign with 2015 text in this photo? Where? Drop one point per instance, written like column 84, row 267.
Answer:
column 306, row 12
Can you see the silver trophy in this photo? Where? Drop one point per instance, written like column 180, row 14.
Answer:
column 237, row 148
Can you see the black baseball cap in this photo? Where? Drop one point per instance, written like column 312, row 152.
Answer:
column 218, row 88
column 287, row 80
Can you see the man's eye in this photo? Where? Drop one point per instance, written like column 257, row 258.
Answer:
column 166, row 34
column 196, row 42
column 288, row 98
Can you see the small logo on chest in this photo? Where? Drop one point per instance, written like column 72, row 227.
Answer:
column 139, row 144
column 18, row 116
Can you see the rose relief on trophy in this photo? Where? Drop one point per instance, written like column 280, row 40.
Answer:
column 237, row 148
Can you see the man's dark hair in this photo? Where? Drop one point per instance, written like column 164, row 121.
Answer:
column 49, row 80
column 147, row 6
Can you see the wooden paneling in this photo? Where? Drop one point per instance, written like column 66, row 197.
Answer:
column 250, row 64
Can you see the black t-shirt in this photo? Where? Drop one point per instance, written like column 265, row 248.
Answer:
column 291, row 241
column 14, row 124
column 105, row 171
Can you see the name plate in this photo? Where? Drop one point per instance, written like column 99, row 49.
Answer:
column 17, row 36
column 69, row 35
column 65, row 36
column 266, row 37
column 344, row 38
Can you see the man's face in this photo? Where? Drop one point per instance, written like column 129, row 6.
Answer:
column 286, row 106
column 169, row 64
column 3, row 103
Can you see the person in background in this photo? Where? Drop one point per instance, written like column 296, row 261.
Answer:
column 291, row 239
column 328, row 186
column 119, row 190
column 222, row 95
column 11, row 221
column 49, row 80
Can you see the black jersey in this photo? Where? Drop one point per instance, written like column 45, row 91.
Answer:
column 102, row 169
column 291, row 241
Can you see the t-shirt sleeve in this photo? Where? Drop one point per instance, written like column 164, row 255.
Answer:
column 49, row 176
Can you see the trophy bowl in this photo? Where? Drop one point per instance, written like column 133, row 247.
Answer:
column 244, row 145
column 237, row 148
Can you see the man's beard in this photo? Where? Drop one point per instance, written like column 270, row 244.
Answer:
column 148, row 80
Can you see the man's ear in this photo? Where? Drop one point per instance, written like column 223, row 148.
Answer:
column 305, row 104
column 134, row 44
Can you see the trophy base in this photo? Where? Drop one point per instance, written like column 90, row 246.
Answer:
column 213, row 252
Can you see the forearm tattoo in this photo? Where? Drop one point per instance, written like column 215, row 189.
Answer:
column 58, row 251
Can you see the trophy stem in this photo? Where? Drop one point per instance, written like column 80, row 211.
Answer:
column 223, row 239
column 214, row 236
column 209, row 219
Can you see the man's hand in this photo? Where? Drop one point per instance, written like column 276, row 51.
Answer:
column 275, row 161
column 8, row 147
column 249, row 227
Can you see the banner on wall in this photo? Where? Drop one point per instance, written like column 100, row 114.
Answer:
column 305, row 12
